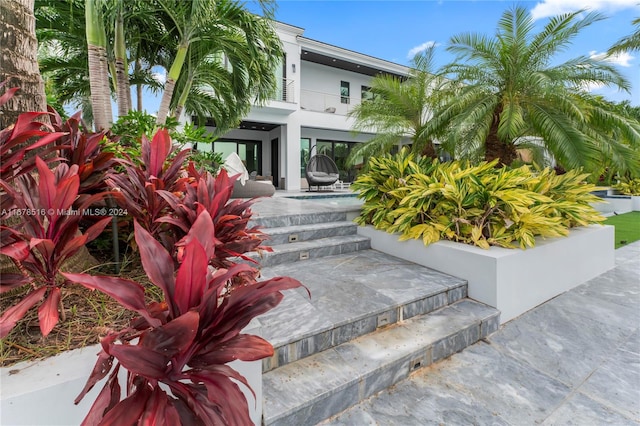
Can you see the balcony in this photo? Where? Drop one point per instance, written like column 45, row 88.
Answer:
column 325, row 102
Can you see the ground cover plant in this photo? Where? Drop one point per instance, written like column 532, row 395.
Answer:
column 627, row 227
column 474, row 204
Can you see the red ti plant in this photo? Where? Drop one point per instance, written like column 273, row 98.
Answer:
column 176, row 352
column 135, row 188
column 13, row 147
column 46, row 237
column 84, row 149
column 230, row 219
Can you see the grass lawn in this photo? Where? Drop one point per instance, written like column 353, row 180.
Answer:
column 627, row 227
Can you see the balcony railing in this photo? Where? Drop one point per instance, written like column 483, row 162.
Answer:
column 325, row 102
column 286, row 91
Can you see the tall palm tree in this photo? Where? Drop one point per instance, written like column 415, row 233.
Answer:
column 400, row 108
column 510, row 87
column 222, row 30
column 18, row 59
column 98, row 65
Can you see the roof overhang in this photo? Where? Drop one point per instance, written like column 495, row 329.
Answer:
column 337, row 57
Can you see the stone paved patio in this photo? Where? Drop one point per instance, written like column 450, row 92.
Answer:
column 574, row 360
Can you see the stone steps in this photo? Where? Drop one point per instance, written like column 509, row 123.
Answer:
column 315, row 388
column 351, row 295
column 370, row 321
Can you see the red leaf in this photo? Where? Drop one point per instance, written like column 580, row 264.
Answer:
column 128, row 293
column 67, row 191
column 46, row 185
column 15, row 313
column 9, row 282
column 96, row 229
column 18, row 250
column 129, row 410
column 226, row 394
column 159, row 411
column 48, row 315
column 141, row 360
column 44, row 246
column 174, row 337
column 157, row 263
column 100, row 370
column 108, row 397
column 160, row 148
column 72, row 246
column 191, row 280
column 203, row 231
column 244, row 347
column 8, row 95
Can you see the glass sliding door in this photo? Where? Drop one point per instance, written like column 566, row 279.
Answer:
column 250, row 152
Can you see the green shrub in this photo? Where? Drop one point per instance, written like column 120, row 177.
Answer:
column 478, row 205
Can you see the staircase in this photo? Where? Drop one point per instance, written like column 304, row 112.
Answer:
column 371, row 321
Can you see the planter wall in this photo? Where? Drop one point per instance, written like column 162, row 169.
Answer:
column 511, row 280
column 615, row 203
column 635, row 203
column 42, row 392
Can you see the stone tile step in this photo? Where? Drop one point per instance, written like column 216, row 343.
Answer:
column 297, row 233
column 318, row 387
column 297, row 219
column 351, row 295
column 305, row 250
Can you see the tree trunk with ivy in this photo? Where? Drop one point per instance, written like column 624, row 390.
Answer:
column 19, row 60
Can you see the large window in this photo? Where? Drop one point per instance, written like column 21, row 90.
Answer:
column 344, row 92
column 339, row 151
column 305, row 147
column 250, row 152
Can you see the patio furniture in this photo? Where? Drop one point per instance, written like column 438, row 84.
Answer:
column 253, row 188
column 321, row 171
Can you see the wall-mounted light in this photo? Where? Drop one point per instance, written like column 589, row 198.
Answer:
column 293, row 68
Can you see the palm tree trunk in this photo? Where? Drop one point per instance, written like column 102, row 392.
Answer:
column 183, row 97
column 98, row 66
column 18, row 59
column 170, row 84
column 494, row 148
column 138, row 87
column 122, row 67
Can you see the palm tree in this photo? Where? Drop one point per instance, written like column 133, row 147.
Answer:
column 98, row 65
column 222, row 30
column 18, row 59
column 509, row 88
column 400, row 108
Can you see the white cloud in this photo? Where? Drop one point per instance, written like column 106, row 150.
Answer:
column 547, row 8
column 424, row 46
column 622, row 59
column 160, row 77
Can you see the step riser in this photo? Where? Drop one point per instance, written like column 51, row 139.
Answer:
column 324, row 340
column 377, row 376
column 302, row 254
column 309, row 234
column 297, row 219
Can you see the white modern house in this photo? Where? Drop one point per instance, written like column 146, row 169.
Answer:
column 320, row 84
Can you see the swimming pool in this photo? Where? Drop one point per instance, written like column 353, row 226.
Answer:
column 332, row 199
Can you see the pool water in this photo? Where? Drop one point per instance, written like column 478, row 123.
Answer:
column 332, row 200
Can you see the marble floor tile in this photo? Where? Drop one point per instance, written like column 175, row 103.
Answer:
column 561, row 344
column 616, row 382
column 580, row 410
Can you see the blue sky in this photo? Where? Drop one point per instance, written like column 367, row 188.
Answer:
column 393, row 30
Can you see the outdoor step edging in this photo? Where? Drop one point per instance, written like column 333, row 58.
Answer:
column 278, row 236
column 342, row 333
column 359, row 369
